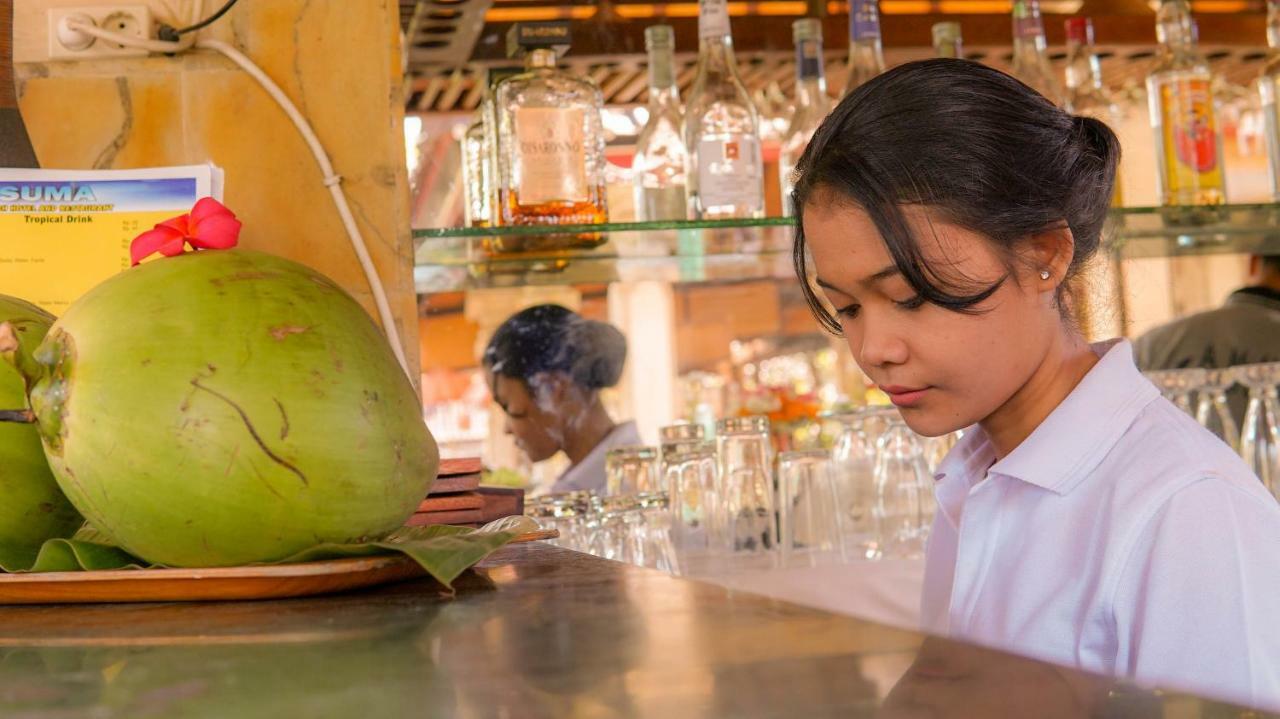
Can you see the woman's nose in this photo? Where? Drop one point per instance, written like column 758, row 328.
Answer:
column 878, row 342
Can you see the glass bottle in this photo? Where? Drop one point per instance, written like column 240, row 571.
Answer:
column 866, row 55
column 1180, row 100
column 1086, row 93
column 661, row 157
column 1268, row 89
column 476, row 182
column 947, row 41
column 550, row 146
column 722, row 128
column 812, row 103
column 1030, row 57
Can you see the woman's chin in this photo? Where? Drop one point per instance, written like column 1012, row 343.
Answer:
column 930, row 424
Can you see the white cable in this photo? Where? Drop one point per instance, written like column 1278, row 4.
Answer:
column 331, row 179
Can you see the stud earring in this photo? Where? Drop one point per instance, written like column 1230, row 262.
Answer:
column 1044, row 274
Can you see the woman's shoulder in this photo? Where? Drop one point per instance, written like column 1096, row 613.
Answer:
column 1166, row 448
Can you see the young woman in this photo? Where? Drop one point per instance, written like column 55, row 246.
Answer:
column 944, row 210
column 546, row 367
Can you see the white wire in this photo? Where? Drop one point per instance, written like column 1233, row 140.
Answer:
column 331, row 179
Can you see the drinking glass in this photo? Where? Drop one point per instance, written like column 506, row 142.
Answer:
column 744, row 455
column 1260, row 438
column 691, row 473
column 681, row 433
column 811, row 531
column 631, row 470
column 853, row 458
column 904, row 495
column 654, row 526
column 1213, row 413
column 1178, row 386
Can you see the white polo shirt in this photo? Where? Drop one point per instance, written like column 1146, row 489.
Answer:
column 1120, row 538
column 589, row 474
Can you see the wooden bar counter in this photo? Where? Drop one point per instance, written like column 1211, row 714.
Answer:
column 535, row 631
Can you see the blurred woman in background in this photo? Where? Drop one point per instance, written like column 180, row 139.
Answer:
column 546, row 367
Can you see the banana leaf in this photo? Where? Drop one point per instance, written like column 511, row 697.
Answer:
column 443, row 551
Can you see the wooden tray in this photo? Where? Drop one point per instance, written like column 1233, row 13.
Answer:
column 216, row 584
column 456, row 483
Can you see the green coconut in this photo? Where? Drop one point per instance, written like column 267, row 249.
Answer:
column 229, row 407
column 33, row 508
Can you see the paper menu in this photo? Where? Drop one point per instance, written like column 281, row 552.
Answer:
column 64, row 231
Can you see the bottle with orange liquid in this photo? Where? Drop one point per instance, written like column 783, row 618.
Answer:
column 1180, row 99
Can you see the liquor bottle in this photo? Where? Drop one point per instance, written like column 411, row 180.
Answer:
column 946, row 40
column 812, row 103
column 1268, row 90
column 1030, row 58
column 477, row 183
column 722, row 128
column 1086, row 93
column 661, row 157
column 1180, row 99
column 866, row 56
column 550, row 138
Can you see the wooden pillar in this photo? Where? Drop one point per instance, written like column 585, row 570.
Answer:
column 339, row 61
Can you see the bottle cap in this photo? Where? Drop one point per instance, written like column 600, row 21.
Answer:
column 806, row 29
column 946, row 32
column 659, row 37
column 1079, row 29
column 525, row 36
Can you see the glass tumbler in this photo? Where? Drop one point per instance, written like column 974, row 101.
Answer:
column 690, row 471
column 654, row 527
column 811, row 532
column 744, row 454
column 1212, row 412
column 632, row 470
column 901, row 481
column 1260, row 438
column 1179, row 386
column 853, row 460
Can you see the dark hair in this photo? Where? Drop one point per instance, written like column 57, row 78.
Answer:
column 550, row 338
column 1271, row 262
column 975, row 145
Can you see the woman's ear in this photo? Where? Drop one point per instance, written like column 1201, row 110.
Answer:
column 1047, row 258
column 549, row 389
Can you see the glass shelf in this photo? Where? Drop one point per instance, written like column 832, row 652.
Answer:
column 1173, row 231
column 457, row 258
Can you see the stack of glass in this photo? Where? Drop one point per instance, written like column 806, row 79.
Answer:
column 1203, row 394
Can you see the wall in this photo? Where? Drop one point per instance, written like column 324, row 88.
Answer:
column 340, row 62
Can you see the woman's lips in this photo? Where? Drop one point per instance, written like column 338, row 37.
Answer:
column 904, row 396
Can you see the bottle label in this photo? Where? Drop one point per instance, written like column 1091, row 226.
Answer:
column 864, row 20
column 552, row 155
column 713, row 18
column 1028, row 27
column 1190, row 134
column 809, row 59
column 729, row 172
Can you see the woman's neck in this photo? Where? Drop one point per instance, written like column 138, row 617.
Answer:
column 586, row 431
column 1068, row 360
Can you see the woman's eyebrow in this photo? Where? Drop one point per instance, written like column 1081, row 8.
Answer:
column 883, row 274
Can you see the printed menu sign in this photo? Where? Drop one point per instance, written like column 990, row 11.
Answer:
column 64, row 231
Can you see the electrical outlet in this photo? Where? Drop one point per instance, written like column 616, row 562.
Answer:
column 68, row 44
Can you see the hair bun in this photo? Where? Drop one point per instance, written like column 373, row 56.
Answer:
column 601, row 354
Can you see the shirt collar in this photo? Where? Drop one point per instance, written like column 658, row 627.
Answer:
column 1080, row 431
column 1262, row 296
column 1074, row 438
